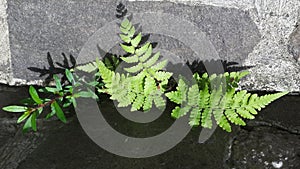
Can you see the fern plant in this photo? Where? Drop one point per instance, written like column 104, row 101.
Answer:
column 212, row 96
column 222, row 101
column 145, row 83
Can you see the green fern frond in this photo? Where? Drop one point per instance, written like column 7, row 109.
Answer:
column 143, row 49
column 135, row 69
column 160, row 65
column 162, row 76
column 226, row 106
column 89, row 67
column 125, row 23
column 261, row 102
column 146, row 78
column 178, row 96
column 141, row 55
column 125, row 38
column 193, row 102
column 131, row 59
column 128, row 49
column 138, row 102
column 146, row 55
column 105, row 73
column 179, row 112
column 213, row 96
column 136, row 41
column 175, row 96
column 150, row 85
column 158, row 99
column 152, row 60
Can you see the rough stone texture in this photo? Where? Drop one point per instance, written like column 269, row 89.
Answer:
column 37, row 28
column 5, row 62
column 265, row 148
column 250, row 32
column 294, row 43
column 275, row 68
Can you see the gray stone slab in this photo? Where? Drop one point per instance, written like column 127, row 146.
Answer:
column 294, row 43
column 252, row 33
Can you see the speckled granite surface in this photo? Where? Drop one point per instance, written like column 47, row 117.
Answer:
column 253, row 33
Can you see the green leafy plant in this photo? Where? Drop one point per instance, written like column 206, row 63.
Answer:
column 145, row 81
column 59, row 97
column 144, row 84
column 213, row 95
column 223, row 102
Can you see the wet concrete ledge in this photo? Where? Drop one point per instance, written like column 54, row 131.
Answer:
column 272, row 139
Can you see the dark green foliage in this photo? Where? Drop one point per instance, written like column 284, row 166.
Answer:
column 62, row 97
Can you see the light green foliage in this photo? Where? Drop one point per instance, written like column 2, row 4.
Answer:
column 111, row 63
column 144, row 83
column 215, row 97
column 141, row 54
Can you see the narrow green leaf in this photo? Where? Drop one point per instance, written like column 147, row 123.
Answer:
column 66, row 104
column 60, row 114
column 34, row 95
column 83, row 94
column 69, row 76
column 130, row 59
column 135, row 42
column 147, row 54
column 134, row 69
column 23, row 117
column 125, row 38
column 93, row 83
column 33, row 120
column 131, row 32
column 15, row 109
column 142, row 49
column 74, row 102
column 27, row 125
column 160, row 65
column 57, row 82
column 152, row 60
column 86, row 94
column 128, row 49
column 51, row 89
column 89, row 67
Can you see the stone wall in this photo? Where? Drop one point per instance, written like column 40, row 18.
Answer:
column 259, row 33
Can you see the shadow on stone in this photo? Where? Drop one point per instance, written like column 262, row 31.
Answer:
column 52, row 69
